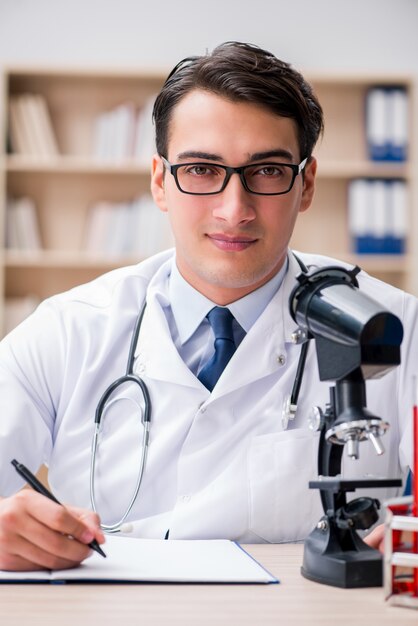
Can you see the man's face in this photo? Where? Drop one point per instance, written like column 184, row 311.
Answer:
column 233, row 242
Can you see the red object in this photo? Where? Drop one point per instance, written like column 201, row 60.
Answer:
column 415, row 493
column 401, row 559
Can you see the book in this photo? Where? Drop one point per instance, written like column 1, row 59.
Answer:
column 97, row 227
column 17, row 137
column 22, row 226
column 125, row 122
column 151, row 231
column 128, row 228
column 153, row 560
column 114, row 133
column 145, row 134
column 46, row 130
column 30, row 127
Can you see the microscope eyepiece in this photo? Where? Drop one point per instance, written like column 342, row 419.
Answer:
column 352, row 331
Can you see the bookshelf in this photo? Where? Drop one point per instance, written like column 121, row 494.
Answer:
column 343, row 157
column 65, row 185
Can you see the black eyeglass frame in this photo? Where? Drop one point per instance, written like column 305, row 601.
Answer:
column 173, row 167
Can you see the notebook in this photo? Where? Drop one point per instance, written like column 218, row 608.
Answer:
column 133, row 560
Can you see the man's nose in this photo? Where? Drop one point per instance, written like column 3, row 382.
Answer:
column 235, row 204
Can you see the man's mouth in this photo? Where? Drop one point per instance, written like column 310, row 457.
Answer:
column 231, row 243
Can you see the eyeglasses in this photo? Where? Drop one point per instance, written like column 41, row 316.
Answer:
column 263, row 179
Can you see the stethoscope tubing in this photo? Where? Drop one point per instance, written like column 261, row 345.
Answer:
column 145, row 420
column 129, row 376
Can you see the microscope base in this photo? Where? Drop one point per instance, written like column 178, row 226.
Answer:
column 324, row 561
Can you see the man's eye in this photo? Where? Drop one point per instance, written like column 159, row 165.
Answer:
column 269, row 171
column 201, row 170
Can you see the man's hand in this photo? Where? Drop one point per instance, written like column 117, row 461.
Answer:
column 376, row 539
column 36, row 533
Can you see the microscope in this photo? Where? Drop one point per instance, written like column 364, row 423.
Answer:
column 356, row 339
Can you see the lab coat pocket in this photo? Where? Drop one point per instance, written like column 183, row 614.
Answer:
column 280, row 466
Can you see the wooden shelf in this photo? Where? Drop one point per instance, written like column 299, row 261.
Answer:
column 69, row 259
column 65, row 187
column 362, row 169
column 74, row 165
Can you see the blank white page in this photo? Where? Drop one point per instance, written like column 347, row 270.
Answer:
column 154, row 560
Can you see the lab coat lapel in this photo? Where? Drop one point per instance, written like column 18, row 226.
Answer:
column 263, row 350
column 259, row 354
column 156, row 355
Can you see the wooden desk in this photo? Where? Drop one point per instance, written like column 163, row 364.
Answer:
column 295, row 601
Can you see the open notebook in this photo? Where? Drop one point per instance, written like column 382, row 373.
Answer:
column 154, row 560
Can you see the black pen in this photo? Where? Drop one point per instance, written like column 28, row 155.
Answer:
column 40, row 488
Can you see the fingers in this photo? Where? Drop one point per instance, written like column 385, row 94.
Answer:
column 376, row 539
column 90, row 520
column 25, row 555
column 38, row 533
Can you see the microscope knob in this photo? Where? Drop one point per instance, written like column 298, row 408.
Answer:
column 353, row 448
column 376, row 440
column 316, row 419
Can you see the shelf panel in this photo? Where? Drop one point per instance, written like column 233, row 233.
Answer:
column 128, row 167
column 65, row 259
column 76, row 98
column 56, row 260
column 65, row 188
column 362, row 169
column 388, row 263
column 74, row 165
column 47, row 273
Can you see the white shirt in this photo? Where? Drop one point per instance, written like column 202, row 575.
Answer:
column 190, row 330
column 219, row 464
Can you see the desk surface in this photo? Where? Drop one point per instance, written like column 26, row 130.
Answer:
column 295, row 601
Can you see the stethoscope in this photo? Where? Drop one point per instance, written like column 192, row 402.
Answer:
column 288, row 413
column 129, row 377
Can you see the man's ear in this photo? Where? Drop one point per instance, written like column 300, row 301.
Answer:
column 157, row 182
column 309, row 174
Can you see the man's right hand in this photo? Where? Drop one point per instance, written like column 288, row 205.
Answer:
column 36, row 533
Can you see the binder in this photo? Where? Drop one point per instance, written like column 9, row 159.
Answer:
column 377, row 124
column 359, row 224
column 398, row 216
column 377, row 215
column 387, row 123
column 398, row 124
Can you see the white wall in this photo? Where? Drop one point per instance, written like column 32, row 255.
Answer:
column 312, row 34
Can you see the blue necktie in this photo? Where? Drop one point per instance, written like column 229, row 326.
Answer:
column 220, row 320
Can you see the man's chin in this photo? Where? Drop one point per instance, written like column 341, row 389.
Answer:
column 233, row 279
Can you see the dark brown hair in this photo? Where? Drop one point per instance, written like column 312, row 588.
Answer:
column 244, row 73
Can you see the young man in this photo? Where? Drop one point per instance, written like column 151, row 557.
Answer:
column 235, row 133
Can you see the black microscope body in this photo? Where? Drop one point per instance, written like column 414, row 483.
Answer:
column 356, row 339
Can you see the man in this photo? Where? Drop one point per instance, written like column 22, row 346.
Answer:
column 235, row 133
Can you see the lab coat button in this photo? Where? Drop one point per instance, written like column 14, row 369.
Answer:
column 141, row 368
column 281, row 359
column 185, row 498
column 202, row 408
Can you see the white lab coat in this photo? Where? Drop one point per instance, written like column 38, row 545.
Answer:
column 219, row 464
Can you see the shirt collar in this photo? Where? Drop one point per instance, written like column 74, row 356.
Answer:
column 246, row 310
